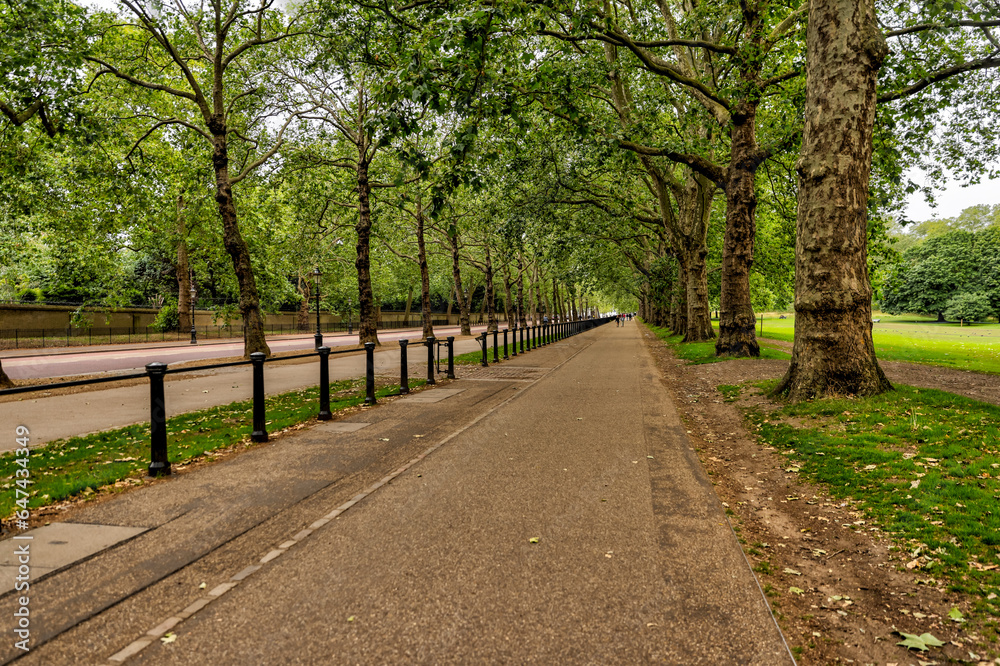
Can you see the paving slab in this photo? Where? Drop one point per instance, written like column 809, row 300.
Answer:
column 58, row 545
column 430, row 396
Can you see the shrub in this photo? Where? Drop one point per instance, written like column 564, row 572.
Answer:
column 968, row 306
column 167, row 319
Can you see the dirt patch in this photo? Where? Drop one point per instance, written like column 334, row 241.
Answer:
column 837, row 589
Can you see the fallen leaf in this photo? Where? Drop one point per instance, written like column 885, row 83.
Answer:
column 914, row 484
column 792, row 572
column 171, row 637
column 350, row 619
column 956, row 615
column 796, row 590
column 383, row 439
column 202, row 586
column 533, row 540
column 923, row 642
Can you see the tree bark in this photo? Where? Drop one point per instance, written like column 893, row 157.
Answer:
column 736, row 315
column 254, row 339
column 367, row 319
column 522, row 321
column 507, row 301
column 833, row 352
column 456, row 272
column 491, row 305
column 5, row 381
column 409, row 302
column 303, row 315
column 425, row 277
column 696, row 209
column 183, row 270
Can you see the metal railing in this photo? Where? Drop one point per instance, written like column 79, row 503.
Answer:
column 531, row 337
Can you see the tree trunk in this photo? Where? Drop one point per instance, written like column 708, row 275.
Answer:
column 303, row 315
column 367, row 321
column 736, row 315
column 409, row 303
column 463, row 303
column 679, row 304
column 695, row 213
column 425, row 278
column 254, row 339
column 507, row 301
column 833, row 352
column 183, row 271
column 522, row 321
column 491, row 305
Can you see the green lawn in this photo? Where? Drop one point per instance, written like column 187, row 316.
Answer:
column 907, row 338
column 924, row 464
column 704, row 352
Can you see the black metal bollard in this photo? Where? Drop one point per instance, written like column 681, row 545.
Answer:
column 545, row 333
column 430, row 359
column 159, row 464
column 505, row 350
column 324, row 383
column 259, row 433
column 451, row 356
column 404, row 372
column 485, row 350
column 533, row 337
column 513, row 341
column 522, row 339
column 496, row 358
column 369, row 373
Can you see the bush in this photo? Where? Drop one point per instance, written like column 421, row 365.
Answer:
column 969, row 307
column 167, row 319
column 30, row 295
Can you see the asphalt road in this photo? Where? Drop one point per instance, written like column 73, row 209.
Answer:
column 122, row 358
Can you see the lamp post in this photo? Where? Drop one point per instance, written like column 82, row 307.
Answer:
column 194, row 292
column 319, row 332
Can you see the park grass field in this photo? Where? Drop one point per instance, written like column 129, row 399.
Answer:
column 916, row 340
column 922, row 463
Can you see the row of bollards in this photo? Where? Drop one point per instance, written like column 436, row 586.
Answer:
column 530, row 338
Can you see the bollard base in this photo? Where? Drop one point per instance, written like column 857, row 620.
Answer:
column 159, row 469
column 258, row 436
column 325, row 416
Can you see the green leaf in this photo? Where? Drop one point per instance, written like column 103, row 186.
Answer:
column 956, row 615
column 922, row 642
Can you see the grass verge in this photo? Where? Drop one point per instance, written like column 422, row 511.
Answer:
column 704, row 352
column 923, row 464
column 67, row 467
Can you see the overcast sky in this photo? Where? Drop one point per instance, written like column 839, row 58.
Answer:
column 952, row 200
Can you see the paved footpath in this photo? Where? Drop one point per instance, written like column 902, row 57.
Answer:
column 548, row 510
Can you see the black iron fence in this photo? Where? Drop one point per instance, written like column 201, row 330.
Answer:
column 523, row 340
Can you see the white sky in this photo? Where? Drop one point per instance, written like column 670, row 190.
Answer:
column 952, row 200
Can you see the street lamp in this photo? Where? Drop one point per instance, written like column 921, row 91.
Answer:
column 194, row 293
column 319, row 332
